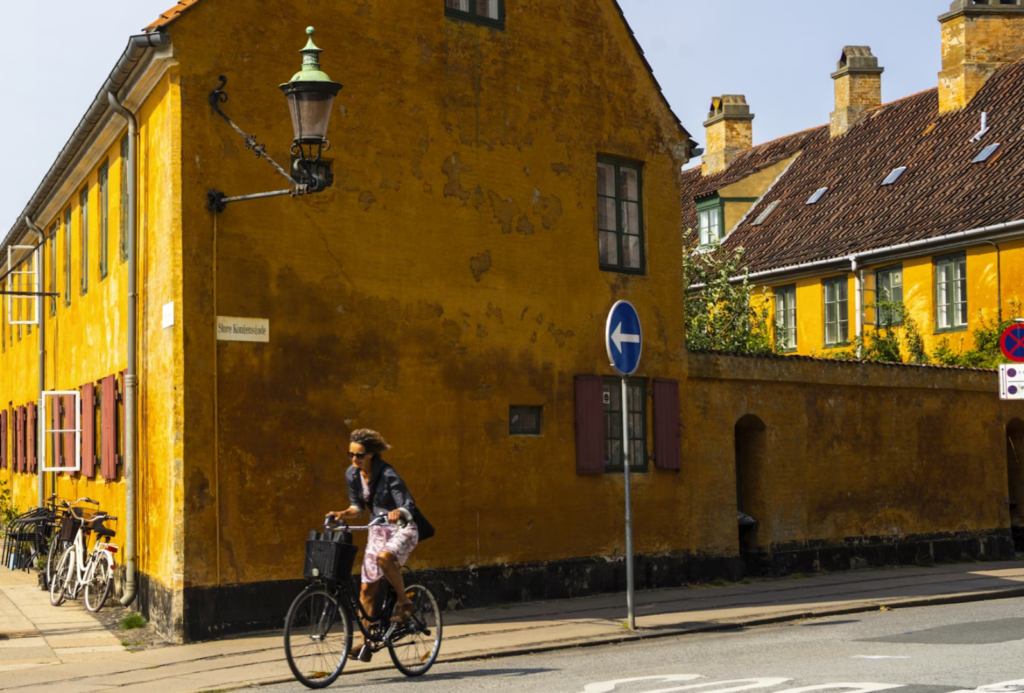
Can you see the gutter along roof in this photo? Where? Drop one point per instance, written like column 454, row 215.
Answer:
column 941, row 192
column 133, row 53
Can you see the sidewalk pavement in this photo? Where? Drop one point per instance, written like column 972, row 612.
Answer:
column 66, row 649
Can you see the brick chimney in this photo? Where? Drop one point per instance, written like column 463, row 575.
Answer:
column 727, row 131
column 858, row 84
column 978, row 36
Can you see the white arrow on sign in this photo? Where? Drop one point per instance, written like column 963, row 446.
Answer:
column 618, row 338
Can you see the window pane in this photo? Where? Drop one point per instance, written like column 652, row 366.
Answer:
column 703, row 223
column 637, row 453
column 715, row 230
column 605, row 179
column 606, row 214
column 487, row 8
column 631, row 252
column 615, row 452
column 631, row 217
column 462, row 5
column 609, row 248
column 630, row 185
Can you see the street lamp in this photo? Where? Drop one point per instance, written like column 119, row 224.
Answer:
column 310, row 95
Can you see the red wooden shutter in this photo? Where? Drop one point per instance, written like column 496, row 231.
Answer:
column 88, row 430
column 70, row 422
column 108, row 427
column 590, row 433
column 3, row 438
column 30, row 436
column 667, row 426
column 20, row 441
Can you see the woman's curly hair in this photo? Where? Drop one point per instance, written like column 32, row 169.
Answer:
column 371, row 441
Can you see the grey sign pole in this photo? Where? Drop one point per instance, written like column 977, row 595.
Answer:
column 631, row 615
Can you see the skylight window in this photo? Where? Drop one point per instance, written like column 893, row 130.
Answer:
column 763, row 216
column 818, row 194
column 986, row 153
column 894, row 176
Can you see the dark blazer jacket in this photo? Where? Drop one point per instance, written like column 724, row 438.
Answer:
column 389, row 493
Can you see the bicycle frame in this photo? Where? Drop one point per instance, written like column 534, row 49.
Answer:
column 80, row 571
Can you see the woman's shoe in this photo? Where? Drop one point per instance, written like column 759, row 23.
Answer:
column 363, row 655
column 403, row 612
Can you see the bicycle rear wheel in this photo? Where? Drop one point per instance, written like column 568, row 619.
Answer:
column 61, row 576
column 317, row 637
column 53, row 555
column 97, row 583
column 415, row 644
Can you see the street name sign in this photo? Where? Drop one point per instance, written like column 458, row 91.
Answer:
column 1012, row 342
column 243, row 329
column 623, row 338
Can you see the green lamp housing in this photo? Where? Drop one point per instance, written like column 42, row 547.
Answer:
column 310, row 96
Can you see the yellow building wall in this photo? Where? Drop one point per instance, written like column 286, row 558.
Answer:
column 450, row 272
column 87, row 339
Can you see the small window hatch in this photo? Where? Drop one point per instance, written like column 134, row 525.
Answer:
column 894, row 176
column 986, row 153
column 524, row 420
column 818, row 194
column 763, row 216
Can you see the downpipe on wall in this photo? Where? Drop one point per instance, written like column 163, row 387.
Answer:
column 858, row 290
column 40, row 419
column 131, row 375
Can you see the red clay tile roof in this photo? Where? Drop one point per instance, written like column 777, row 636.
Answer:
column 170, row 15
column 941, row 191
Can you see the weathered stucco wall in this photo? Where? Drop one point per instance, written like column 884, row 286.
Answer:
column 851, row 452
column 452, row 271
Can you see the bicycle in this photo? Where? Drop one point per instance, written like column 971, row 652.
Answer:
column 318, row 627
column 96, row 574
column 62, row 532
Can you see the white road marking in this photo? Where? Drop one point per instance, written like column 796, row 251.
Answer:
column 879, row 657
column 1005, row 687
column 609, row 686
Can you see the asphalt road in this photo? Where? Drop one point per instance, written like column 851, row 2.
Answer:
column 963, row 647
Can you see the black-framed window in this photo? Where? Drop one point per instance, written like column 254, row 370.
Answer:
column 951, row 293
column 837, row 311
column 524, row 420
column 487, row 12
column 785, row 317
column 711, row 221
column 104, row 200
column 620, row 219
column 83, row 232
column 889, row 289
column 636, row 396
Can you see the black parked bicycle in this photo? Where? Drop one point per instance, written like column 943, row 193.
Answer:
column 318, row 628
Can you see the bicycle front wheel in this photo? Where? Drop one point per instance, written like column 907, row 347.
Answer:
column 62, row 576
column 414, row 645
column 97, row 582
column 53, row 557
column 317, row 637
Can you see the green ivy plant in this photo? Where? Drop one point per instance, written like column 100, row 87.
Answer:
column 8, row 511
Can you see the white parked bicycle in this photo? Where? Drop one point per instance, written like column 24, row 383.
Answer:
column 74, row 571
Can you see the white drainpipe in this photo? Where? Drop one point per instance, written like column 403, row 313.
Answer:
column 858, row 288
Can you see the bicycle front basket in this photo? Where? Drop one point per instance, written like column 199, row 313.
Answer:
column 69, row 527
column 329, row 560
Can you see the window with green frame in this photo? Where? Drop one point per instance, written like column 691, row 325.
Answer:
column 83, row 232
column 785, row 317
column 837, row 311
column 889, row 289
column 636, row 401
column 53, row 267
column 951, row 293
column 67, row 256
column 104, row 199
column 710, row 221
column 620, row 219
column 487, row 12
column 124, row 199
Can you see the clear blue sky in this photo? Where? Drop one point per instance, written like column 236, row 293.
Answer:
column 779, row 53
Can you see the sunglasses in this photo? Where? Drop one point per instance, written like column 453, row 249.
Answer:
column 357, row 455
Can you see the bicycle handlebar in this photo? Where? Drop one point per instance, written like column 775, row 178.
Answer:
column 377, row 522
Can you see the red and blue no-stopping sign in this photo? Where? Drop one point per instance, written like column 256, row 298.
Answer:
column 1012, row 342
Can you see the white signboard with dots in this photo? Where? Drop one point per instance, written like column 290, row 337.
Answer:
column 1011, row 381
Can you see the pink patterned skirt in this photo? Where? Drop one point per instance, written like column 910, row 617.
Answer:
column 399, row 542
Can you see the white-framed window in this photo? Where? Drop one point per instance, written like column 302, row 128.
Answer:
column 951, row 292
column 785, row 317
column 709, row 216
column 837, row 311
column 889, row 289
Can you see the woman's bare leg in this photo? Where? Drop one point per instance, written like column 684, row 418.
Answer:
column 367, row 594
column 393, row 572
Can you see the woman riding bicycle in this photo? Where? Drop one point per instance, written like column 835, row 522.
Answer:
column 374, row 484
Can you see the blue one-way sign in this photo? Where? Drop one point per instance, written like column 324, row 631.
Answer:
column 623, row 338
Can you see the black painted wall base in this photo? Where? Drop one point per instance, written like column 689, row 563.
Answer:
column 1018, row 538
column 210, row 612
column 872, row 552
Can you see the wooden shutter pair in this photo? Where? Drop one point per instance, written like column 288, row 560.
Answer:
column 31, row 424
column 19, row 439
column 70, row 421
column 590, row 425
column 88, row 430
column 108, row 427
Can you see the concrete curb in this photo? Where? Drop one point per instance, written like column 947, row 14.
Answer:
column 717, row 626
